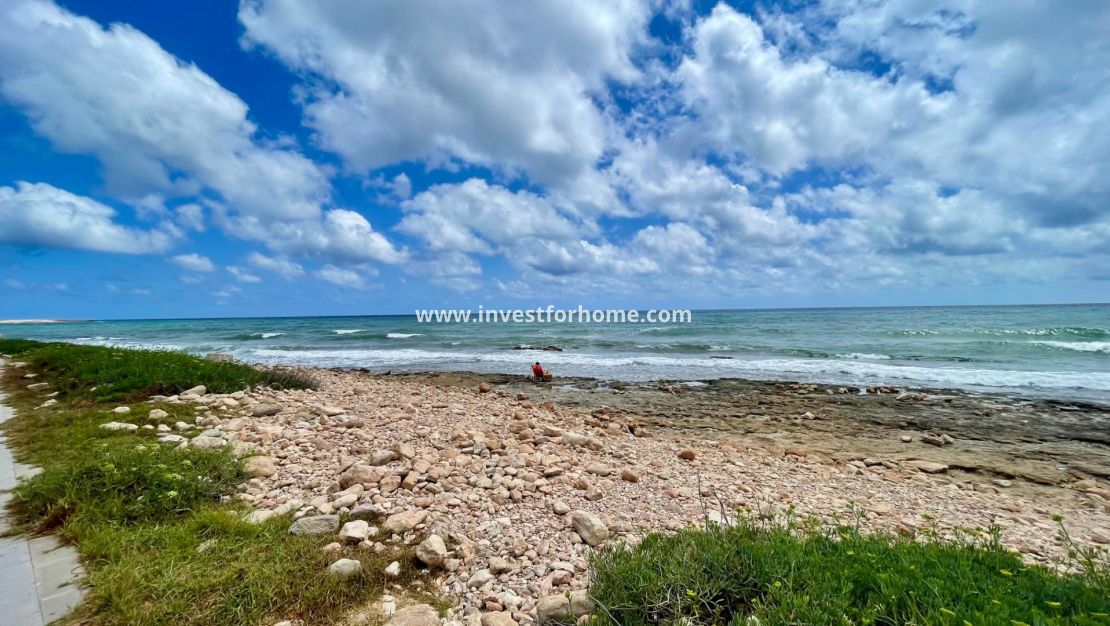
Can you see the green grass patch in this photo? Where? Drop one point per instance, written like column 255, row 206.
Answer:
column 774, row 574
column 159, row 541
column 94, row 374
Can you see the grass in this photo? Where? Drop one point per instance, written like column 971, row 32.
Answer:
column 776, row 574
column 94, row 374
column 160, row 540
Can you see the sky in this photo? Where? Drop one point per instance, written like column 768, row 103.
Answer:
column 284, row 157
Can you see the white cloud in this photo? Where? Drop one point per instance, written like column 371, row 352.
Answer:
column 153, row 121
column 12, row 283
column 243, row 274
column 340, row 276
column 37, row 214
column 194, row 262
column 514, row 90
column 283, row 267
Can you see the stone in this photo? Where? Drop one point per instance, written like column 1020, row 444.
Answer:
column 498, row 618
column 600, row 469
column 382, row 457
column 403, row 522
column 563, row 608
column 580, row 440
column 589, row 526
column 315, row 525
column 265, row 410
column 560, row 507
column 120, row 426
column 432, row 551
column 1002, row 482
column 484, row 388
column 499, row 565
column 205, row 443
column 906, row 439
column 157, row 414
column 355, row 532
column 416, row 615
column 687, row 454
column 929, row 467
column 174, row 439
column 332, row 411
column 260, row 467
column 199, row 390
column 933, row 440
column 359, row 474
column 629, row 475
column 121, row 410
column 345, row 568
column 393, row 570
column 479, row 579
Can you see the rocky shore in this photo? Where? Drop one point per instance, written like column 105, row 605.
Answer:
column 503, row 488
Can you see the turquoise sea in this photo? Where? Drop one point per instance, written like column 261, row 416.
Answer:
column 1060, row 351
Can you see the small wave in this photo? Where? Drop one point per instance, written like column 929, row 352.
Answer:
column 403, row 335
column 864, row 355
column 347, row 331
column 1078, row 346
column 269, row 335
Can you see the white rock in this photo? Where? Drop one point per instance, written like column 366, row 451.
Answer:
column 345, row 568
column 157, row 414
column 355, row 532
column 432, row 551
column 589, row 526
column 121, row 410
column 120, row 426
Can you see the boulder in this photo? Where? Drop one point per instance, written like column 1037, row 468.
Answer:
column 199, row 390
column 416, row 615
column 121, row 410
column 315, row 525
column 120, row 426
column 359, row 474
column 403, row 522
column 265, row 410
column 355, row 532
column 157, row 414
column 345, row 568
column 563, row 608
column 260, row 467
column 589, row 526
column 432, row 551
column 203, row 442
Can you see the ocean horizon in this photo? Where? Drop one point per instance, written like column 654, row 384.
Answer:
column 1056, row 351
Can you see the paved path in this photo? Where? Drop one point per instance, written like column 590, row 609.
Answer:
column 37, row 576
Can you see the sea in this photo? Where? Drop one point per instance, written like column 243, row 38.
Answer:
column 1051, row 351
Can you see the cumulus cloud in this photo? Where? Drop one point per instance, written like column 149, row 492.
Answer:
column 147, row 116
column 514, row 90
column 341, row 276
column 283, row 267
column 243, row 274
column 37, row 214
column 194, row 262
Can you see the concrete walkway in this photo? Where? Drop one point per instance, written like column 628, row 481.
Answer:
column 38, row 577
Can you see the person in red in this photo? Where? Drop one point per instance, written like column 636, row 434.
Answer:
column 538, row 375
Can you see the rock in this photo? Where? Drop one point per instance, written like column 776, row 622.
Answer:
column 260, row 467
column 315, row 525
column 404, row 522
column 933, row 440
column 498, row 618
column 393, row 570
column 383, row 457
column 199, row 390
column 479, row 579
column 416, row 615
column 355, row 532
column 174, row 439
column 359, row 474
column 600, row 469
column 432, row 551
column 628, row 475
column 687, row 454
column 484, row 387
column 929, row 467
column 38, row 386
column 580, row 440
column 499, row 565
column 563, row 608
column 589, row 526
column 157, row 414
column 121, row 410
column 906, row 439
column 332, row 411
column 560, row 507
column 205, row 443
column 120, row 426
column 1101, row 538
column 1002, row 482
column 220, row 357
column 258, row 517
column 345, row 568
column 265, row 410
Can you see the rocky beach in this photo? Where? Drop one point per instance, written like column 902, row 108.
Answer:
column 504, row 487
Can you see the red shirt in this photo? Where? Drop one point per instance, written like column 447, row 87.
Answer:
column 537, row 370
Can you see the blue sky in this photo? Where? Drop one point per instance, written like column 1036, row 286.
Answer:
column 278, row 157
